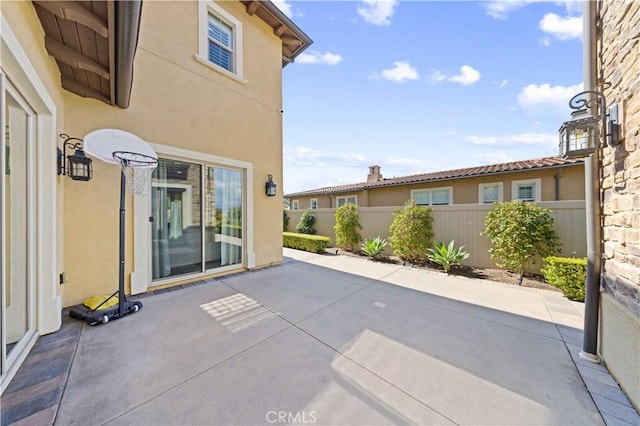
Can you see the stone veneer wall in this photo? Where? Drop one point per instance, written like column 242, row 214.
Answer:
column 618, row 56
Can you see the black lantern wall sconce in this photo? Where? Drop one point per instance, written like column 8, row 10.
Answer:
column 77, row 165
column 270, row 187
column 580, row 136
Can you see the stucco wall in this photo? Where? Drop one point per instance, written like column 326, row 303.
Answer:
column 178, row 102
column 618, row 63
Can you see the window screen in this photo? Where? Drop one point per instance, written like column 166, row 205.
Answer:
column 220, row 43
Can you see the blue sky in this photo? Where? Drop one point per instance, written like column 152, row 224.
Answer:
column 421, row 86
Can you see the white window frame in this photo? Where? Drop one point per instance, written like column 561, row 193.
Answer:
column 346, row 200
column 430, row 191
column 295, row 205
column 311, row 203
column 481, row 188
column 206, row 8
column 537, row 189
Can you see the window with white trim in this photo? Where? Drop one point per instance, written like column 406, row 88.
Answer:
column 489, row 192
column 341, row 201
column 313, row 203
column 433, row 196
column 219, row 39
column 295, row 205
column 526, row 190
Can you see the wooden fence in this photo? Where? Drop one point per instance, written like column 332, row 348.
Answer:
column 463, row 223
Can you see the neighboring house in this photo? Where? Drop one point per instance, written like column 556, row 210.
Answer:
column 202, row 83
column 611, row 44
column 542, row 179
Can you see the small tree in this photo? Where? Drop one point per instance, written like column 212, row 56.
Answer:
column 347, row 226
column 305, row 225
column 519, row 232
column 411, row 232
column 285, row 220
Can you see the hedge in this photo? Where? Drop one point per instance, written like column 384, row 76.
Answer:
column 568, row 274
column 312, row 243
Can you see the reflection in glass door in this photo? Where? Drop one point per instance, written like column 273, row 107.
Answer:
column 181, row 241
column 17, row 230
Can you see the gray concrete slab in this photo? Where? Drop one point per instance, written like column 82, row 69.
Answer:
column 305, row 343
column 292, row 377
column 472, row 371
column 173, row 338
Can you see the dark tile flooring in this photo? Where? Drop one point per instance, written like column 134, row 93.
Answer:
column 33, row 395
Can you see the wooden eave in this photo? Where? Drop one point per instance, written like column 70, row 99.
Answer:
column 294, row 40
column 82, row 37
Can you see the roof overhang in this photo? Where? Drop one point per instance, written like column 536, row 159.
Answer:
column 93, row 43
column 294, row 40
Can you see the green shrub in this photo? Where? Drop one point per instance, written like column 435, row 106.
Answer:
column 285, row 220
column 447, row 256
column 312, row 243
column 347, row 226
column 519, row 232
column 411, row 232
column 567, row 274
column 305, row 225
column 374, row 247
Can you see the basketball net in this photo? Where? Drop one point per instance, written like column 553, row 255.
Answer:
column 138, row 169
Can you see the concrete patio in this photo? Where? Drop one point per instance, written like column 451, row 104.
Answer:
column 337, row 340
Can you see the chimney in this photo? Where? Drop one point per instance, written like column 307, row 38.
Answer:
column 374, row 174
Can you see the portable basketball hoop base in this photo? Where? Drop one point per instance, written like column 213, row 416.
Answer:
column 131, row 153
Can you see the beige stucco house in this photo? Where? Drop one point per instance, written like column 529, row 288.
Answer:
column 201, row 82
column 538, row 180
column 611, row 37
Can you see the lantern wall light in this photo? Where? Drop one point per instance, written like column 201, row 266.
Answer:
column 580, row 136
column 270, row 187
column 77, row 165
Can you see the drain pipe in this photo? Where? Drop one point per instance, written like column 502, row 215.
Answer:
column 592, row 201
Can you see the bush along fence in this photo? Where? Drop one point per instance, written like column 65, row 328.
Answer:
column 465, row 224
column 567, row 274
column 306, row 242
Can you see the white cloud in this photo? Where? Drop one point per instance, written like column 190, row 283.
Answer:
column 377, row 12
column 536, row 97
column 561, row 28
column 401, row 71
column 303, row 156
column 468, row 75
column 284, row 7
column 501, row 83
column 495, row 157
column 501, row 9
column 326, row 58
column 513, row 141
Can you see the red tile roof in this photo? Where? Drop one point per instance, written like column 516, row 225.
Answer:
column 514, row 166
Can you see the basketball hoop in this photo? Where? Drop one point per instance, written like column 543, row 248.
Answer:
column 137, row 168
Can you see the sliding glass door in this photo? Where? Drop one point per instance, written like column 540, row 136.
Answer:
column 197, row 218
column 18, row 294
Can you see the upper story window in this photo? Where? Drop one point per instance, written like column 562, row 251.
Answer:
column 489, row 192
column 526, row 190
column 314, row 203
column 295, row 205
column 433, row 196
column 220, row 40
column 341, row 201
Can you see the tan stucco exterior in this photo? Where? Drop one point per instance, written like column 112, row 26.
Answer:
column 465, row 190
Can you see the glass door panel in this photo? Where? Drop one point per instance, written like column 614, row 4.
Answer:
column 17, row 282
column 176, row 210
column 223, row 213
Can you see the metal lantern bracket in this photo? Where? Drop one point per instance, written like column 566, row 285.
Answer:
column 610, row 120
column 77, row 165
